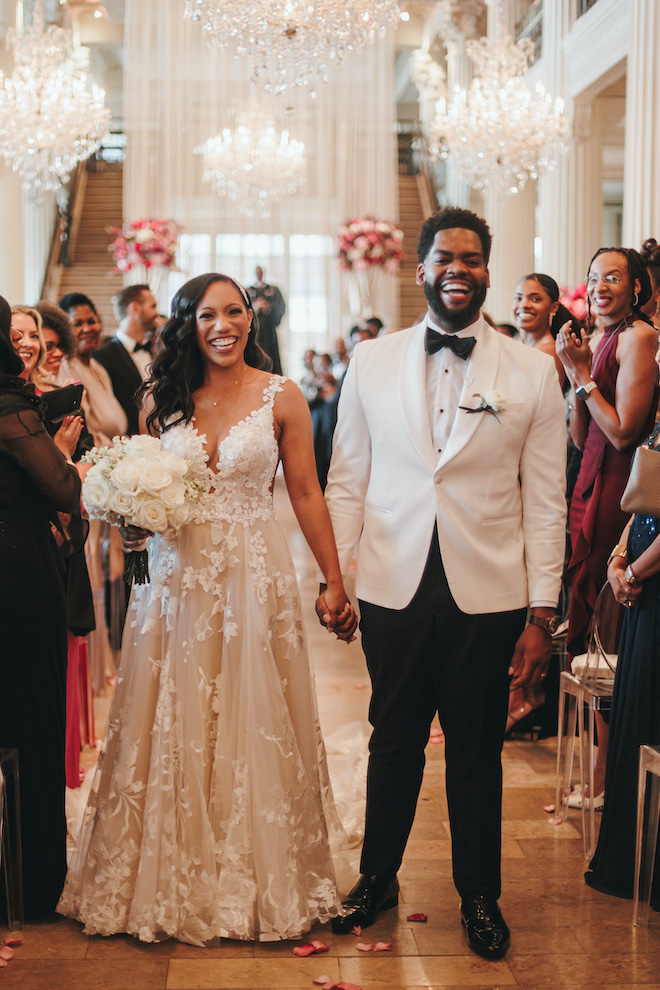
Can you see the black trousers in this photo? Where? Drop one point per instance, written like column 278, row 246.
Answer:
column 432, row 657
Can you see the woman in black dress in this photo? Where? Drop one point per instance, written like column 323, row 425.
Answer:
column 634, row 574
column 35, row 482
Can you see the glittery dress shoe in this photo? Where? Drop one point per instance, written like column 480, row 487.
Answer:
column 486, row 930
column 370, row 895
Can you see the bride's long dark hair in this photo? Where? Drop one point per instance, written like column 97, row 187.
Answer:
column 178, row 369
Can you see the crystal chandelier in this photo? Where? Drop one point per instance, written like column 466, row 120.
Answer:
column 499, row 134
column 49, row 119
column 289, row 41
column 254, row 165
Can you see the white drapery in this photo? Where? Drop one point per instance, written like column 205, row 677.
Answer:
column 178, row 92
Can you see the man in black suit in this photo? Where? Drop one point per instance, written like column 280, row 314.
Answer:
column 270, row 308
column 127, row 357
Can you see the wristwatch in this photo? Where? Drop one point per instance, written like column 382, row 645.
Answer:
column 584, row 391
column 550, row 625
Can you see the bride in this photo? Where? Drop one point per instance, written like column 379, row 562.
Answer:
column 211, row 813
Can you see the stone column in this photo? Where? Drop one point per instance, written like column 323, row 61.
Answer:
column 582, row 216
column 512, row 223
column 641, row 194
column 11, row 202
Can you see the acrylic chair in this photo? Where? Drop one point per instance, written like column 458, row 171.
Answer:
column 648, row 813
column 584, row 690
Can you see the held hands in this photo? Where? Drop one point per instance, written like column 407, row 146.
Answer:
column 134, row 538
column 336, row 613
column 626, row 594
column 531, row 657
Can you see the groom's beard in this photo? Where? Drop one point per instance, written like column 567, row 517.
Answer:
column 455, row 319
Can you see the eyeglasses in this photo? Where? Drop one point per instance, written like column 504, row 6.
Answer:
column 607, row 279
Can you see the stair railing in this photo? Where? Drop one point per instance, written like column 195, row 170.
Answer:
column 65, row 234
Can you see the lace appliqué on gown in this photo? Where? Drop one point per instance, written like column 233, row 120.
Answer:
column 211, row 812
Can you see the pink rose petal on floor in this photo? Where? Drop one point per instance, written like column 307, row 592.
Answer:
column 382, row 946
column 13, row 940
column 348, row 986
column 323, row 981
column 437, row 736
column 303, row 950
column 7, row 953
column 356, row 930
column 3, row 962
column 418, row 917
column 364, row 946
column 548, row 808
column 319, row 947
column 555, row 821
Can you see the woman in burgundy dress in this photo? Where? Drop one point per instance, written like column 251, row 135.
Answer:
column 613, row 405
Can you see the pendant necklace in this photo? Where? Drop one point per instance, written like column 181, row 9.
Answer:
column 235, row 383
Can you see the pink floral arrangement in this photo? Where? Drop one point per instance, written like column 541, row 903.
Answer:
column 575, row 300
column 368, row 242
column 152, row 243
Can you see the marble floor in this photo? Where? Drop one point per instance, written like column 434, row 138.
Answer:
column 563, row 933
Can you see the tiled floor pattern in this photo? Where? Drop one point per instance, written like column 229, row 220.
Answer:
column 563, row 934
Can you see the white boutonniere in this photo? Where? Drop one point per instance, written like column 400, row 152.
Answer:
column 491, row 402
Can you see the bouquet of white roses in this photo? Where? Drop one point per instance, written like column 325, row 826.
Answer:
column 137, row 483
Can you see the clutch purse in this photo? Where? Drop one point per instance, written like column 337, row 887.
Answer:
column 642, row 494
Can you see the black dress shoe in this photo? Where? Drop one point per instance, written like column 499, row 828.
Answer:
column 486, row 930
column 370, row 895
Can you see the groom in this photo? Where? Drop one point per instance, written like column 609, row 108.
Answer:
column 449, row 467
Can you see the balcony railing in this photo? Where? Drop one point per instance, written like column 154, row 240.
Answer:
column 531, row 26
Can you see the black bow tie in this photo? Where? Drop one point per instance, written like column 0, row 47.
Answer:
column 461, row 346
column 142, row 347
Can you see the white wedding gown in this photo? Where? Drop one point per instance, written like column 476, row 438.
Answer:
column 211, row 812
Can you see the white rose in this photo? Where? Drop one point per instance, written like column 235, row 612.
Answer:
column 142, row 444
column 153, row 477
column 176, row 465
column 151, row 514
column 173, row 496
column 495, row 400
column 144, row 235
column 96, row 492
column 123, row 504
column 126, row 477
column 181, row 516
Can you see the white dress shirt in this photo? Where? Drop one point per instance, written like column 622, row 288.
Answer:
column 142, row 359
column 445, row 374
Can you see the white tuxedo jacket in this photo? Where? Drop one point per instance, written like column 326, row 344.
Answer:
column 497, row 491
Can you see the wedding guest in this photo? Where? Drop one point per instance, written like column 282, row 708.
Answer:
column 105, row 419
column 269, row 308
column 212, row 802
column 35, row 483
column 127, row 357
column 458, row 504
column 634, row 575
column 78, row 592
column 58, row 337
column 538, row 314
column 613, row 402
column 651, row 255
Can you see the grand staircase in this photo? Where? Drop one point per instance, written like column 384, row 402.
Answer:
column 411, row 217
column 90, row 264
